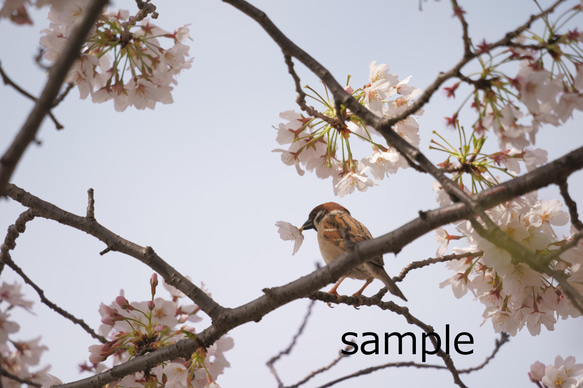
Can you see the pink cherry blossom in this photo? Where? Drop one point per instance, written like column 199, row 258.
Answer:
column 350, row 180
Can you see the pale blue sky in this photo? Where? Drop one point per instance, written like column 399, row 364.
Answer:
column 197, row 181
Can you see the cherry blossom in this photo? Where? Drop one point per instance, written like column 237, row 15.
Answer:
column 149, row 69
column 324, row 146
column 537, row 86
column 537, row 371
column 141, row 327
column 12, row 294
column 7, row 327
column 563, row 373
column 381, row 86
column 18, row 356
column 515, row 295
column 381, row 163
column 353, row 179
column 289, row 232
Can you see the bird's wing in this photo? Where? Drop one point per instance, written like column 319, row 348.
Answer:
column 340, row 226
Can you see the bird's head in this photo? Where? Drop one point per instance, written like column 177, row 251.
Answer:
column 319, row 212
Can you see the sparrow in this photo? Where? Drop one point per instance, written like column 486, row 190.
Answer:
column 338, row 231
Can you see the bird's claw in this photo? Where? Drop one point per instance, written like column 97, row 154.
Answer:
column 360, row 302
column 338, row 297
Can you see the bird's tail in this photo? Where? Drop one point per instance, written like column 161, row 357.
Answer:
column 391, row 285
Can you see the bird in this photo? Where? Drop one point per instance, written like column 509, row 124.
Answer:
column 337, row 232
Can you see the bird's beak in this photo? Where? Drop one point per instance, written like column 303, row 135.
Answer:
column 309, row 224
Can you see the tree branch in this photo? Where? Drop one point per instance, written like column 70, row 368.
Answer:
column 14, row 231
column 287, row 350
column 384, row 126
column 225, row 319
column 423, row 263
column 116, row 243
column 571, row 205
column 404, row 311
column 8, row 81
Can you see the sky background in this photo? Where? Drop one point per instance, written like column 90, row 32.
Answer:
column 197, row 180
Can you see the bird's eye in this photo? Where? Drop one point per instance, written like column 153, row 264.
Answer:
column 319, row 216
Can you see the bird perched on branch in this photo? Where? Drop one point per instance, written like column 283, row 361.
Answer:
column 338, row 231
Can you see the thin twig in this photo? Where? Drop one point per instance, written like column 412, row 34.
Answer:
column 63, row 94
column 423, row 263
column 335, row 361
column 52, row 305
column 572, row 242
column 11, row 376
column 8, row 81
column 270, row 363
column 400, row 310
column 14, row 231
column 301, row 99
column 459, row 13
column 116, row 243
column 571, row 205
column 90, row 204
column 499, row 342
column 504, row 338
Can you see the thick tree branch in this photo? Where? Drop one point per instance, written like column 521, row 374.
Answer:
column 384, row 126
column 340, row 95
column 275, row 297
column 43, row 105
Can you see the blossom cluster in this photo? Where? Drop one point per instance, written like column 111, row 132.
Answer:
column 322, row 144
column 138, row 328
column 470, row 160
column 515, row 108
column 515, row 295
column 18, row 357
column 123, row 58
column 564, row 373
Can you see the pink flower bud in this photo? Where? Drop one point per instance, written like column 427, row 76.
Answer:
column 151, row 305
column 348, row 89
column 96, row 356
column 109, row 310
column 154, row 283
column 108, row 320
column 123, row 303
